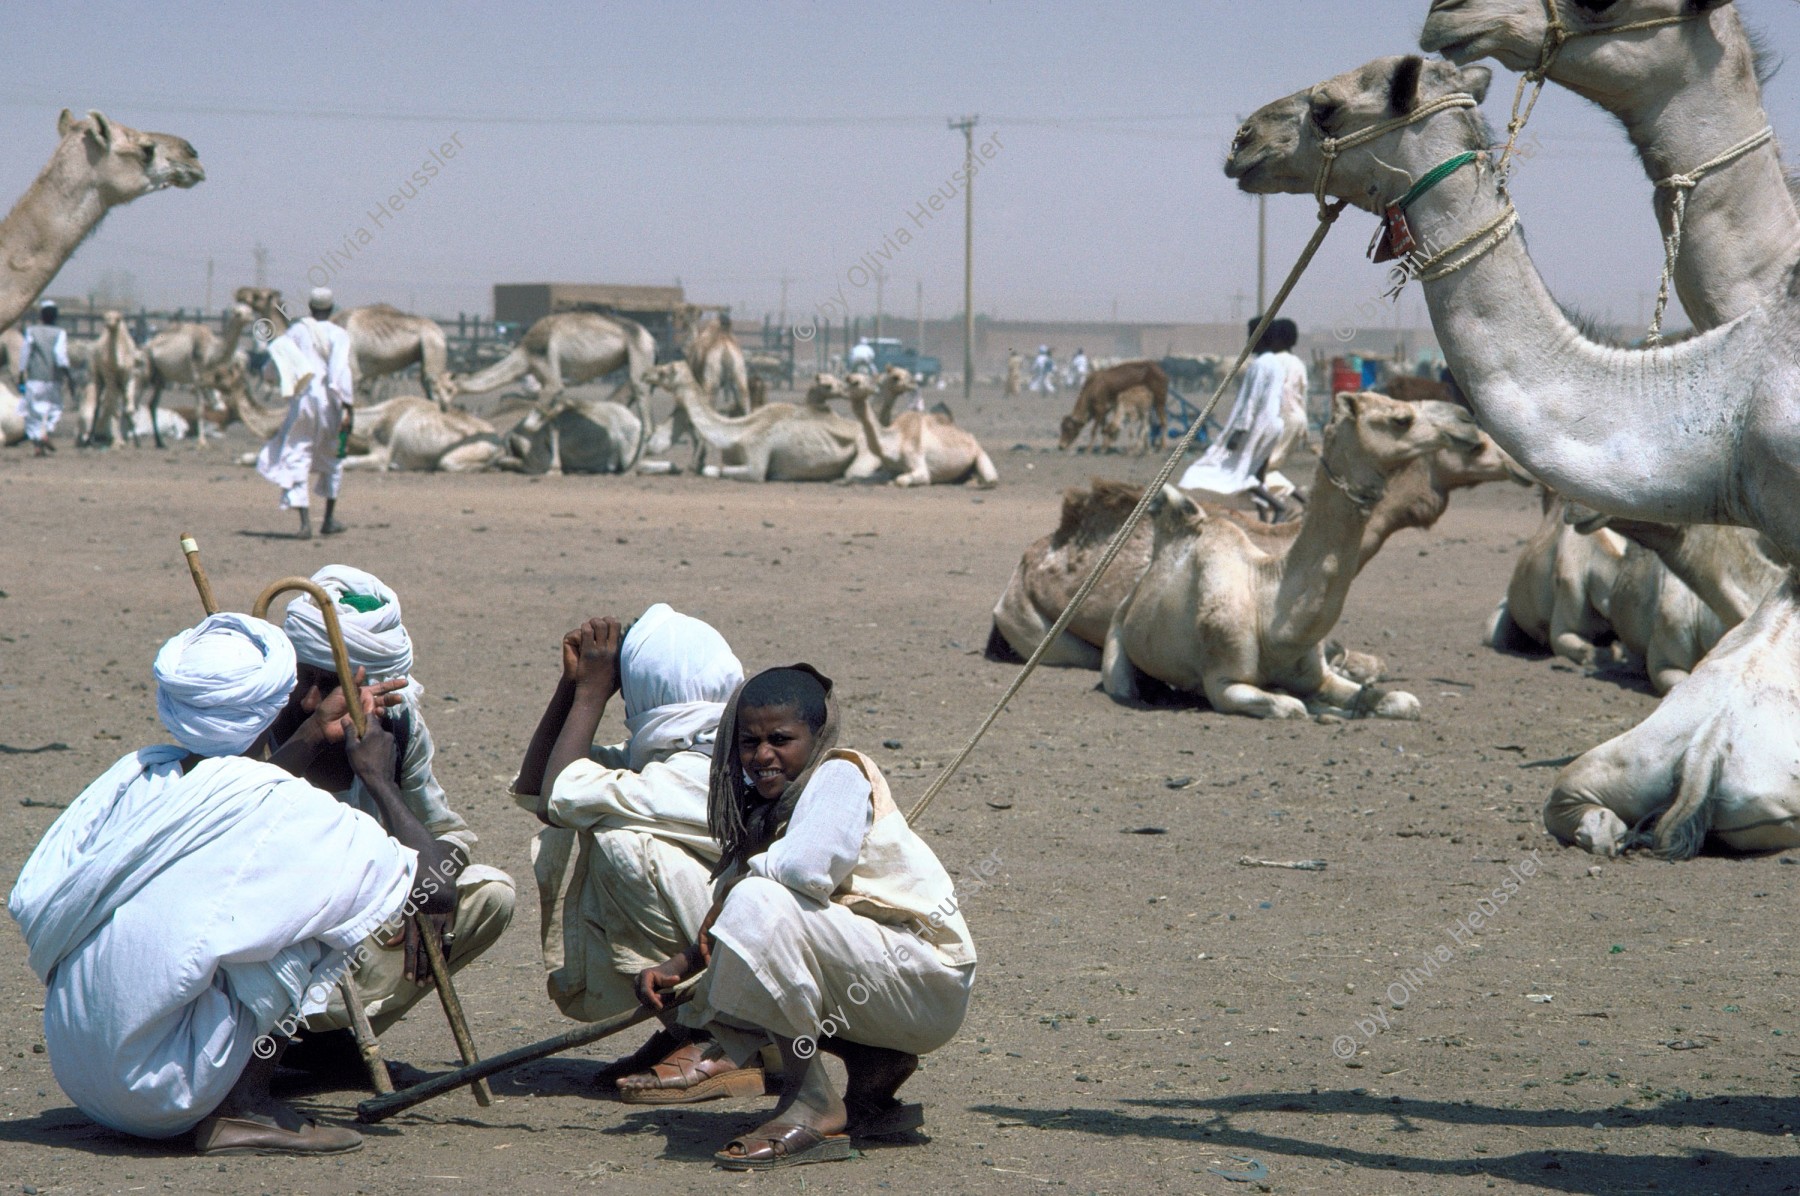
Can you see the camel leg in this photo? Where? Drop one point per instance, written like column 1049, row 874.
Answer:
column 986, row 476
column 1240, row 697
column 1599, row 797
column 1118, row 676
column 156, row 389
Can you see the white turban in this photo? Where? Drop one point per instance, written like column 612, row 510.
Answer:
column 220, row 684
column 676, row 673
column 374, row 638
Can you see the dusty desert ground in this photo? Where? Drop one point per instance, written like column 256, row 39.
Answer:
column 1147, row 1010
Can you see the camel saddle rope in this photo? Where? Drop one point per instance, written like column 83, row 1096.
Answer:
column 1679, row 185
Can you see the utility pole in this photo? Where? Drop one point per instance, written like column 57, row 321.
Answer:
column 919, row 344
column 967, row 127
column 782, row 322
column 209, row 276
column 261, row 254
column 1262, row 252
column 880, row 279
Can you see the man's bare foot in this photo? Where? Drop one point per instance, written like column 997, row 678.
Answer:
column 807, row 1125
column 331, row 527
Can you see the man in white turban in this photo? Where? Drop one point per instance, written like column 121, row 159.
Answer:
column 192, row 903
column 311, row 362
column 625, row 870
column 392, row 973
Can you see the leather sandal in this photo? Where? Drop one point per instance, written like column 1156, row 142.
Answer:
column 776, row 1146
column 692, row 1073
column 237, row 1135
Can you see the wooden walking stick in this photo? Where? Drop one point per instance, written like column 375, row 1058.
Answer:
column 367, row 1045
column 434, row 950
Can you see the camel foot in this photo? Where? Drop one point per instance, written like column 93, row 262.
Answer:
column 1397, row 705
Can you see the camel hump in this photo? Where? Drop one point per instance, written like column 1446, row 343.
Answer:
column 1097, row 510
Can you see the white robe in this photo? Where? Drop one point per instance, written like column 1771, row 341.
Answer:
column 1226, row 471
column 307, row 442
column 176, row 919
column 1293, row 409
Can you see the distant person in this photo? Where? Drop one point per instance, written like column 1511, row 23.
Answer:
column 1283, row 336
column 1078, row 369
column 313, row 361
column 1043, row 372
column 46, row 368
column 1015, row 373
column 862, row 358
column 1236, row 462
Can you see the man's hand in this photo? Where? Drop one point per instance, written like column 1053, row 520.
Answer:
column 371, row 755
column 591, row 657
column 704, row 947
column 417, row 961
column 332, row 714
column 652, row 983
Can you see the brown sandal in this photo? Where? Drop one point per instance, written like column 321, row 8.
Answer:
column 783, row 1146
column 689, row 1074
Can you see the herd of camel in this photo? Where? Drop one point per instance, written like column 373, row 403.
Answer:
column 1667, row 471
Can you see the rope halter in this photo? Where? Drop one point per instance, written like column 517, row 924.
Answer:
column 1679, row 185
column 1556, row 35
column 1331, row 147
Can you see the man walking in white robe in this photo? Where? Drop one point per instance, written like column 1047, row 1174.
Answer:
column 309, row 444
column 192, row 902
column 43, row 370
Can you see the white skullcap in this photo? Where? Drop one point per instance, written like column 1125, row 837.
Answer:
column 220, row 684
column 320, row 297
column 374, row 638
column 675, row 673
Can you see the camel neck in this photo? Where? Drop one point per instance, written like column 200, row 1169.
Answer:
column 59, row 208
column 1324, row 559
column 1632, row 431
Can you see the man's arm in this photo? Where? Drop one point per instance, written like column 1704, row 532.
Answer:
column 566, row 731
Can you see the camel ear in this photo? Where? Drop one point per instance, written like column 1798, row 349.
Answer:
column 1403, row 88
column 1171, row 499
column 1343, row 405
column 1475, row 80
column 64, row 123
column 103, row 131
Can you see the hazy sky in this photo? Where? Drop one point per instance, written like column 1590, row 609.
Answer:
column 728, row 146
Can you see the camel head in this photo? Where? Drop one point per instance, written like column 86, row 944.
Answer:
column 1280, row 148
column 1071, row 428
column 826, row 387
column 1470, row 456
column 264, row 301
column 1370, row 436
column 1173, row 513
column 672, row 376
column 1631, row 67
column 112, row 320
column 896, row 381
column 127, row 163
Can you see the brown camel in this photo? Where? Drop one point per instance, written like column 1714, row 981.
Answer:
column 1100, row 394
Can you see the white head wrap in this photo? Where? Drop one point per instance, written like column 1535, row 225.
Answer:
column 676, row 673
column 375, row 639
column 220, row 684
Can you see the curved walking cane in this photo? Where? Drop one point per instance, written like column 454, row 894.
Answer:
column 367, row 1045
column 434, row 950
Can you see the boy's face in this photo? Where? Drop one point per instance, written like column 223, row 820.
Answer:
column 774, row 744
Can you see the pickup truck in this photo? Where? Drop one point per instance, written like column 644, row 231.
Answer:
column 891, row 351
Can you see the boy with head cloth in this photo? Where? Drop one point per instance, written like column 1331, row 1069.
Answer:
column 624, row 872
column 392, row 974
column 192, row 900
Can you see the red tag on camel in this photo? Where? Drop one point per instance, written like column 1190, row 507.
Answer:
column 1394, row 238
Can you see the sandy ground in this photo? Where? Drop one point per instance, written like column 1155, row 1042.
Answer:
column 1146, row 1008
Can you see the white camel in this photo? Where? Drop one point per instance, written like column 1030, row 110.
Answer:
column 1557, row 595
column 1053, row 567
column 568, row 348
column 98, row 165
column 776, row 442
column 109, row 406
column 1704, row 431
column 919, row 448
column 1215, row 613
column 385, row 340
column 716, row 359
column 184, row 355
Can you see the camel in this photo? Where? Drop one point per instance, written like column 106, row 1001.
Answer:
column 385, row 340
column 413, row 433
column 183, row 354
column 1729, row 568
column 779, row 442
column 1216, row 613
column 110, row 403
column 1704, row 431
column 1557, row 595
column 1132, row 411
column 716, row 359
column 1684, row 92
column 1100, row 394
column 1053, row 567
column 919, row 448
column 1678, row 768
column 98, row 165
column 567, row 348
